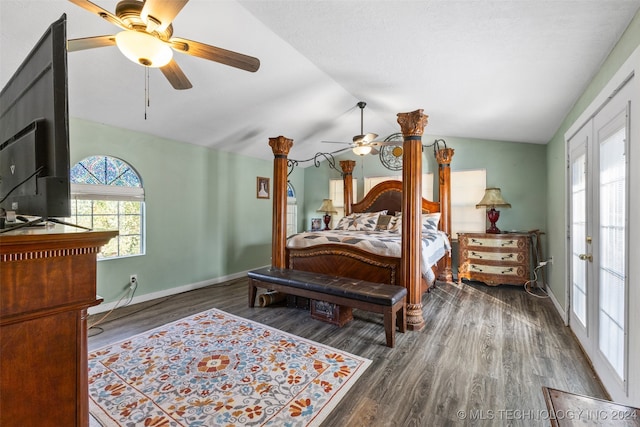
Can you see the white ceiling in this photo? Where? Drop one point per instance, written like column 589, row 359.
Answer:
column 489, row 69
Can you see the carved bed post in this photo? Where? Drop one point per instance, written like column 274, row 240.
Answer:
column 443, row 156
column 280, row 147
column 347, row 181
column 412, row 125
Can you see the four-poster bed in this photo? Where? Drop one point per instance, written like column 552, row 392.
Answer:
column 393, row 196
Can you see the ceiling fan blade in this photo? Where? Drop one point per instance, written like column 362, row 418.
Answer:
column 74, row 45
column 369, row 137
column 162, row 11
column 337, row 142
column 212, row 53
column 364, row 139
column 381, row 143
column 94, row 8
column 374, row 151
column 176, row 77
column 341, row 150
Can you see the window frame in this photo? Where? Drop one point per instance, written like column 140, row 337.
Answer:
column 94, row 193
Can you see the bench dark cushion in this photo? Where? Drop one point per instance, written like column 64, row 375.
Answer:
column 376, row 293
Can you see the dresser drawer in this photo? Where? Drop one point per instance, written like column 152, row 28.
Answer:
column 502, row 270
column 510, row 256
column 497, row 242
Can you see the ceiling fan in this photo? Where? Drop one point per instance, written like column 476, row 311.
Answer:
column 147, row 38
column 364, row 143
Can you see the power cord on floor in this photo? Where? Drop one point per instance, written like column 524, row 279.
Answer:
column 528, row 283
column 129, row 290
column 145, row 307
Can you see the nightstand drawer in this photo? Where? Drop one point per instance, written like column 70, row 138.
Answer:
column 497, row 242
column 502, row 270
column 518, row 257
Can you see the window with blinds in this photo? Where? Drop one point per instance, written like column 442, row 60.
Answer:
column 336, row 194
column 467, row 189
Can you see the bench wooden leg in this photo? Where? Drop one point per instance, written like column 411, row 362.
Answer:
column 401, row 318
column 390, row 326
column 253, row 290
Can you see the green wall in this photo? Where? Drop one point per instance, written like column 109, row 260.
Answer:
column 203, row 220
column 556, row 160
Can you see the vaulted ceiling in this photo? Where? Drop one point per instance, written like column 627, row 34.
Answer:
column 489, row 69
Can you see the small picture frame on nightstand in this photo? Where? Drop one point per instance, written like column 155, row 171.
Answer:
column 316, row 224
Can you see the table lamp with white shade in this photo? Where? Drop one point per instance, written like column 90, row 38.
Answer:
column 493, row 199
column 328, row 209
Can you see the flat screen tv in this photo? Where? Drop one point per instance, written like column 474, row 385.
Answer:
column 34, row 131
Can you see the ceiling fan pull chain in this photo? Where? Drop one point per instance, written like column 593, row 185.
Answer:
column 146, row 91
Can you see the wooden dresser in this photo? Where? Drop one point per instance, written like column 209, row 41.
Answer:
column 494, row 259
column 47, row 282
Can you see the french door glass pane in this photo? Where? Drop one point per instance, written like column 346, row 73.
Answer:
column 578, row 232
column 612, row 250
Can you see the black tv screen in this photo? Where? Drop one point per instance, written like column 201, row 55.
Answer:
column 34, row 131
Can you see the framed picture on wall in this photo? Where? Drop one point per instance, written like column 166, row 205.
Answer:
column 316, row 224
column 263, row 187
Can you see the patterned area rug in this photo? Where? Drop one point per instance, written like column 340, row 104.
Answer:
column 217, row 369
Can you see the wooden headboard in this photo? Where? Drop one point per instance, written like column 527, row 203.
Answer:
column 388, row 195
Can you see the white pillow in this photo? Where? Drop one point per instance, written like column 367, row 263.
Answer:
column 430, row 222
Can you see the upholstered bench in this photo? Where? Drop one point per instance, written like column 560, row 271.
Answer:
column 374, row 297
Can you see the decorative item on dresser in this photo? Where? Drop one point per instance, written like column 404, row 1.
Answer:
column 494, row 259
column 493, row 198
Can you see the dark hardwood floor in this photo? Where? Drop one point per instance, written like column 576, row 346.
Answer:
column 482, row 359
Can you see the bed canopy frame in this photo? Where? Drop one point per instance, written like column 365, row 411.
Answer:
column 412, row 204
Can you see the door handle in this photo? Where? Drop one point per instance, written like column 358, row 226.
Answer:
column 586, row 257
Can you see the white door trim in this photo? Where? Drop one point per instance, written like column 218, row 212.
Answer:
column 630, row 68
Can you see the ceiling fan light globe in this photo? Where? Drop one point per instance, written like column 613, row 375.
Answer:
column 144, row 49
column 362, row 150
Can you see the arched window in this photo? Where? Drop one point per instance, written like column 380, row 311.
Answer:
column 107, row 194
column 292, row 210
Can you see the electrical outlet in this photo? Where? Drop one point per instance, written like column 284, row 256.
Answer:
column 543, row 263
column 133, row 280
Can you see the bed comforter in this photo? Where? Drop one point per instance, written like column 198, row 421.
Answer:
column 434, row 244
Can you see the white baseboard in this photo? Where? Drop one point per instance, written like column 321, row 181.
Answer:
column 168, row 292
column 561, row 310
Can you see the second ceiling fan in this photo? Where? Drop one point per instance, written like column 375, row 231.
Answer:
column 364, row 143
column 147, row 38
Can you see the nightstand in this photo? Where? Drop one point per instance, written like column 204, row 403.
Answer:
column 494, row 259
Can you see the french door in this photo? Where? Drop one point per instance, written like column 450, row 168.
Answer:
column 598, row 239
